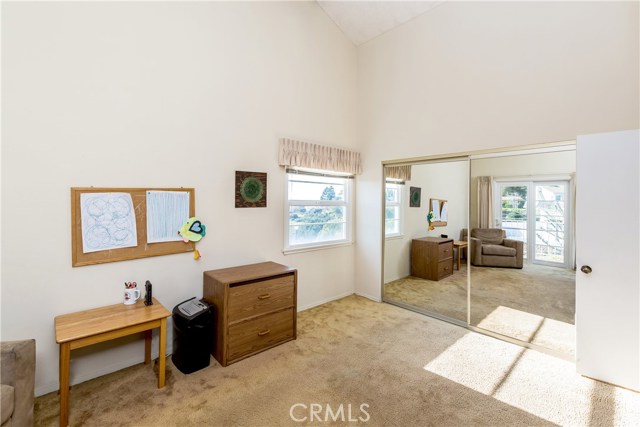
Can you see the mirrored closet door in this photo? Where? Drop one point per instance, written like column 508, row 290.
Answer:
column 509, row 218
column 426, row 210
column 522, row 281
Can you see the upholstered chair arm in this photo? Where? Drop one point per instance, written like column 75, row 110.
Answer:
column 19, row 371
column 515, row 244
column 475, row 250
column 518, row 245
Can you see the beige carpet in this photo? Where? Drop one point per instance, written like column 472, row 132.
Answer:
column 412, row 370
column 535, row 304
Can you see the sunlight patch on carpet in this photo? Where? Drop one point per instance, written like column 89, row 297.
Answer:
column 557, row 335
column 511, row 322
column 460, row 361
column 534, row 382
column 487, row 366
column 528, row 327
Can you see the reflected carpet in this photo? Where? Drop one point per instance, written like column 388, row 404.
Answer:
column 535, row 304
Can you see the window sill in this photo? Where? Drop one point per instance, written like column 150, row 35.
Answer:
column 291, row 251
column 394, row 237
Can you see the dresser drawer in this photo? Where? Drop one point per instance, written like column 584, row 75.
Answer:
column 445, row 250
column 254, row 299
column 262, row 332
column 445, row 268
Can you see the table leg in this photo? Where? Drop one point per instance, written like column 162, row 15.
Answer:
column 147, row 346
column 459, row 251
column 162, row 351
column 65, row 358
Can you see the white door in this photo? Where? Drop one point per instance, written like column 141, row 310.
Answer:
column 607, row 257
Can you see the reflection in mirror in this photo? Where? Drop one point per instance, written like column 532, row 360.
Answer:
column 438, row 214
column 522, row 279
column 419, row 268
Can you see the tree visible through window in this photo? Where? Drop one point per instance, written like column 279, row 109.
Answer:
column 318, row 210
column 535, row 212
column 513, row 214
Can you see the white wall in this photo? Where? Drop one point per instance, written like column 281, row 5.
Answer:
column 447, row 181
column 523, row 165
column 184, row 94
column 474, row 75
column 161, row 95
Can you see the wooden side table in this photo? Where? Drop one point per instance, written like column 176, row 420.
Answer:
column 89, row 327
column 459, row 245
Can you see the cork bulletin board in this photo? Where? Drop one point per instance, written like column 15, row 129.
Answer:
column 129, row 207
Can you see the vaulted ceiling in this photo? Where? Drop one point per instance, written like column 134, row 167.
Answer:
column 362, row 21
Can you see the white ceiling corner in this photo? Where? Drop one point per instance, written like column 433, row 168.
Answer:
column 362, row 21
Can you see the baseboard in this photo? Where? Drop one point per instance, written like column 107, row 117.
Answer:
column 372, row 298
column 324, row 301
column 54, row 386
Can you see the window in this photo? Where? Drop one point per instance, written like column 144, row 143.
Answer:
column 537, row 213
column 318, row 210
column 393, row 209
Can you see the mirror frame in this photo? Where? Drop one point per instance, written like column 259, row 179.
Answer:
column 468, row 156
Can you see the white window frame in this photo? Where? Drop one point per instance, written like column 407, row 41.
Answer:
column 347, row 203
column 531, row 182
column 399, row 204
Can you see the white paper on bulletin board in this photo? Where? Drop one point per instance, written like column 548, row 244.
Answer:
column 167, row 211
column 444, row 213
column 435, row 207
column 108, row 221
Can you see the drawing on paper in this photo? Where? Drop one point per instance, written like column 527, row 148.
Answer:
column 167, row 211
column 108, row 221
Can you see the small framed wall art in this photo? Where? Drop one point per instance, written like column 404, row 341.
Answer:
column 251, row 189
column 415, row 194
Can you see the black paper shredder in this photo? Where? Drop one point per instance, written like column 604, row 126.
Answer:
column 192, row 335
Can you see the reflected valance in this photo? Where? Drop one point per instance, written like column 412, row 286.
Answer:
column 402, row 173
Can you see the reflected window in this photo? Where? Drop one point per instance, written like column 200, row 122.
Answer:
column 393, row 208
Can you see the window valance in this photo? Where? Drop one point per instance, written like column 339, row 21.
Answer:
column 402, row 173
column 315, row 156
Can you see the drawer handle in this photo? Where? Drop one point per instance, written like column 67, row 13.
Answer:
column 263, row 333
column 265, row 296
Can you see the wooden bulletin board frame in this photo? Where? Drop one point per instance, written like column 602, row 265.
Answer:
column 144, row 249
column 441, row 203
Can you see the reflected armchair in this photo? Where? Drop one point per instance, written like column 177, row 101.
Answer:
column 489, row 247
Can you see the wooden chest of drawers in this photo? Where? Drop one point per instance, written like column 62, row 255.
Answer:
column 255, row 308
column 432, row 258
